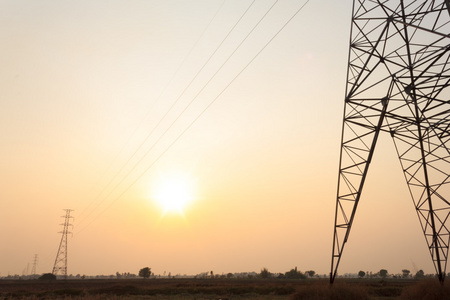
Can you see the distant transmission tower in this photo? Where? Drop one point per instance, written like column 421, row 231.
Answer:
column 35, row 261
column 60, row 266
column 398, row 79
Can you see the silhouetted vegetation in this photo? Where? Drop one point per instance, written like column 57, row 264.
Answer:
column 429, row 289
column 265, row 273
column 336, row 291
column 291, row 285
column 419, row 275
column 310, row 273
column 383, row 273
column 294, row 274
column 405, row 273
column 125, row 289
column 47, row 276
column 145, row 272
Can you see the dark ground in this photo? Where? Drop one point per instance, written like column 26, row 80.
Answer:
column 223, row 289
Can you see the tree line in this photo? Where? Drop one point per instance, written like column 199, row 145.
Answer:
column 263, row 274
column 383, row 273
column 292, row 274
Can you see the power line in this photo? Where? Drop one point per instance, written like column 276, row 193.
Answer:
column 171, row 107
column 195, row 97
column 203, row 111
column 147, row 114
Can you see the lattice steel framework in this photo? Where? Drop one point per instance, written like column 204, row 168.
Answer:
column 35, row 261
column 60, row 266
column 398, row 78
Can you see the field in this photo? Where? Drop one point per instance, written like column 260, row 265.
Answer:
column 202, row 289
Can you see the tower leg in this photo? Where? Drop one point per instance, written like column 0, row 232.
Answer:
column 403, row 48
column 356, row 156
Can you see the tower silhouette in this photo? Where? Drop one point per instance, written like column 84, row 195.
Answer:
column 35, row 261
column 398, row 78
column 60, row 266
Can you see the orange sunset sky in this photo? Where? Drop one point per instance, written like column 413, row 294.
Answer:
column 181, row 148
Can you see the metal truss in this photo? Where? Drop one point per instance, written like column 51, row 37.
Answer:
column 398, row 79
column 60, row 265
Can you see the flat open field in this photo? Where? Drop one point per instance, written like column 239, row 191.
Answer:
column 202, row 289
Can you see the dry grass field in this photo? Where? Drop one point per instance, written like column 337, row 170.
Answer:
column 209, row 289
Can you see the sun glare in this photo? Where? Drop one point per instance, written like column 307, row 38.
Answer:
column 173, row 194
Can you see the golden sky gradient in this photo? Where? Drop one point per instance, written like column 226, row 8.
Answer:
column 85, row 83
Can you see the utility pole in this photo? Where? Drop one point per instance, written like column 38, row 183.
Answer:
column 398, row 83
column 35, row 261
column 60, row 266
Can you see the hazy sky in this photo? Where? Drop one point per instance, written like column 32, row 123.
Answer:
column 84, row 85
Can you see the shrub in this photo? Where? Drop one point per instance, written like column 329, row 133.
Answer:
column 294, row 274
column 69, row 292
column 325, row 292
column 427, row 290
column 145, row 272
column 265, row 273
column 386, row 291
column 48, row 276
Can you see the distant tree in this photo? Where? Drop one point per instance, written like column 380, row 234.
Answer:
column 405, row 273
column 383, row 273
column 264, row 273
column 310, row 273
column 294, row 274
column 145, row 272
column 230, row 275
column 48, row 276
column 420, row 274
column 361, row 274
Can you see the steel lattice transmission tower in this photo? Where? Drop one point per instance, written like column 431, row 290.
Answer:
column 60, row 266
column 35, row 261
column 398, row 78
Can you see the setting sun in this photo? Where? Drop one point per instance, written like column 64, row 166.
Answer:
column 174, row 193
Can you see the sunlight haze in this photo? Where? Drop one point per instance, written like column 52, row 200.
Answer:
column 102, row 112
